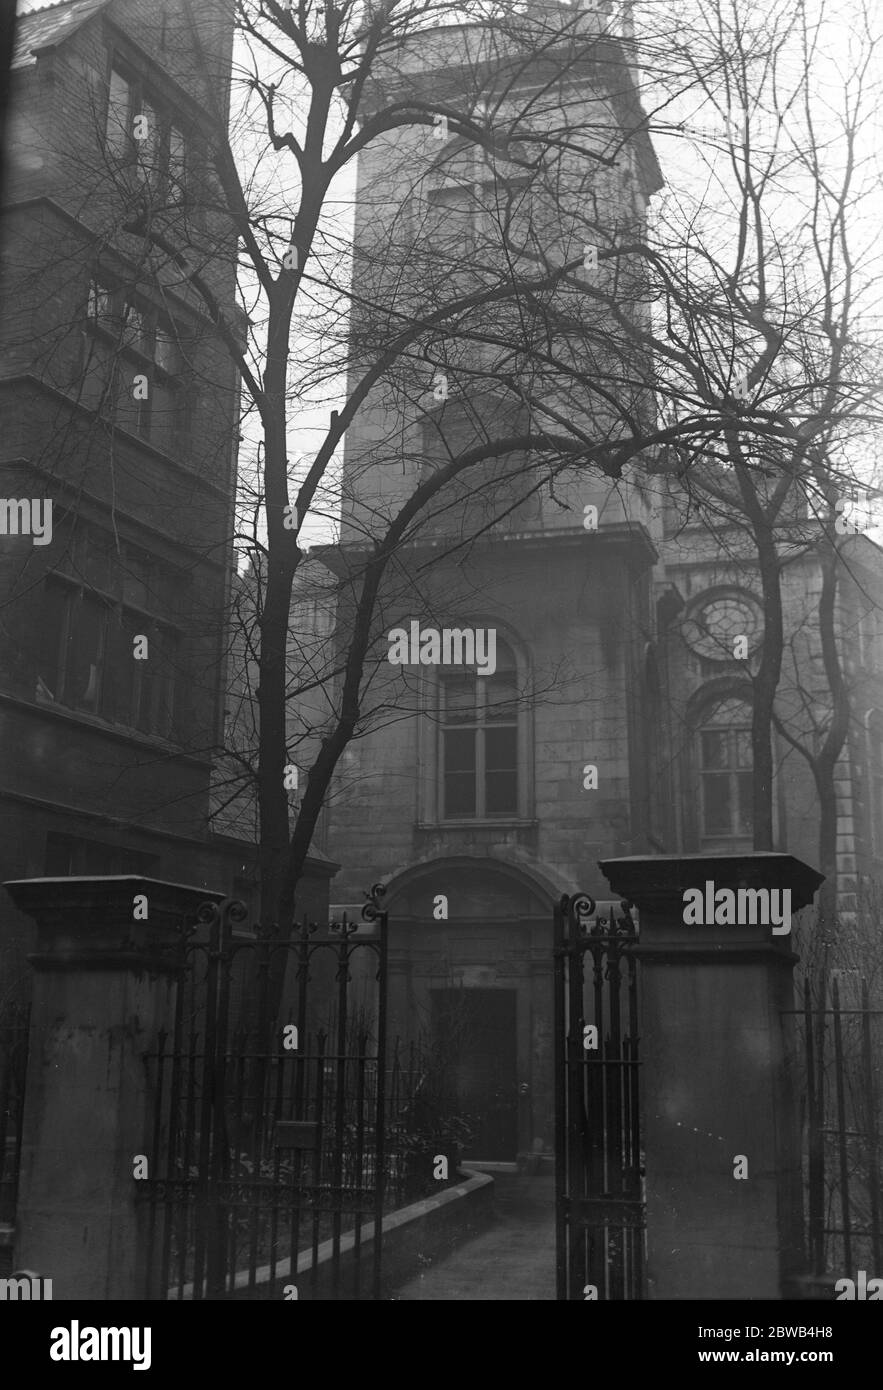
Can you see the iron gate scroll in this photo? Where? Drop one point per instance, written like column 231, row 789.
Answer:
column 267, row 1174
column 598, row 1161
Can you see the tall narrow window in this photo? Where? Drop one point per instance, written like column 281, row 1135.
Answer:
column 100, row 307
column 118, row 131
column 142, row 132
column 88, row 635
column 126, row 339
column 177, row 170
column 478, row 731
column 726, row 771
column 148, row 144
column 454, row 218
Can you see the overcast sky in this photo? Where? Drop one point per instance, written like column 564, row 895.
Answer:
column 695, row 171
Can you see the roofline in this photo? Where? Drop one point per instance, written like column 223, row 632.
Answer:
column 32, row 54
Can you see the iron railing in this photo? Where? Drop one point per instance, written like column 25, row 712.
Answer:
column 599, row 1169
column 839, row 1056
column 14, row 1033
column 278, row 1144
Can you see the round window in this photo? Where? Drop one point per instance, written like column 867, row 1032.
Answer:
column 712, row 628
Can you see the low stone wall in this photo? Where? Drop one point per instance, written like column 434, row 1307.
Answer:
column 425, row 1231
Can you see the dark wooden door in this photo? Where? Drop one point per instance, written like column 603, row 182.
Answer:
column 476, row 1028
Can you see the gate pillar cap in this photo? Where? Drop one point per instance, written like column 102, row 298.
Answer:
column 90, row 918
column 656, row 883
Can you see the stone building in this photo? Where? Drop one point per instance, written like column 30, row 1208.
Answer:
column 119, row 407
column 614, row 720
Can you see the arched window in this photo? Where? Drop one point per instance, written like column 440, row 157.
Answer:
column 478, row 753
column 725, row 764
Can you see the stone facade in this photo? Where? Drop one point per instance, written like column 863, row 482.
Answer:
column 107, row 759
column 610, row 676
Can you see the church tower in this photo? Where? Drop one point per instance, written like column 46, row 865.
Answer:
column 491, row 775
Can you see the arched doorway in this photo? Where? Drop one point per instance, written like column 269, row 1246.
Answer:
column 470, row 975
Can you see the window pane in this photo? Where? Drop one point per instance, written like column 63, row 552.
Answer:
column 459, row 750
column 501, row 694
column 84, row 654
column 100, row 307
column 119, row 676
column 98, row 563
column 500, row 750
column 452, row 218
column 745, row 784
column 714, row 749
column 459, row 698
column 459, row 794
column 95, row 858
column 728, row 714
column 742, row 748
column 96, row 384
column 156, row 704
column 163, row 415
column 130, row 413
column 144, row 719
column 458, row 760
column 501, row 793
column 501, row 777
column 118, row 114
column 165, row 680
column 148, row 147
column 716, row 809
column 177, row 165
column 59, row 861
column 52, row 626
column 167, row 354
column 121, row 670
column 136, row 330
column 136, row 578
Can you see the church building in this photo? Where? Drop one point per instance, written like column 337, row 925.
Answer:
column 615, row 718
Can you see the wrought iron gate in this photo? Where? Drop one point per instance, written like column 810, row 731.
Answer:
column 598, row 1162
column 266, row 1175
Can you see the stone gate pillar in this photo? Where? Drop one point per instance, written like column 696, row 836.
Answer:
column 719, row 1125
column 104, row 987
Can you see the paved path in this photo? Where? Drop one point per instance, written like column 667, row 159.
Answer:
column 513, row 1260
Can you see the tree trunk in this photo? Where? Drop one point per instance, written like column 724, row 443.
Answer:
column 765, row 684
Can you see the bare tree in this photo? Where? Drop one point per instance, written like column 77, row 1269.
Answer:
column 497, row 241
column 767, row 280
column 507, row 297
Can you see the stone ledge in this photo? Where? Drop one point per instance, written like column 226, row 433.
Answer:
column 425, row 1229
